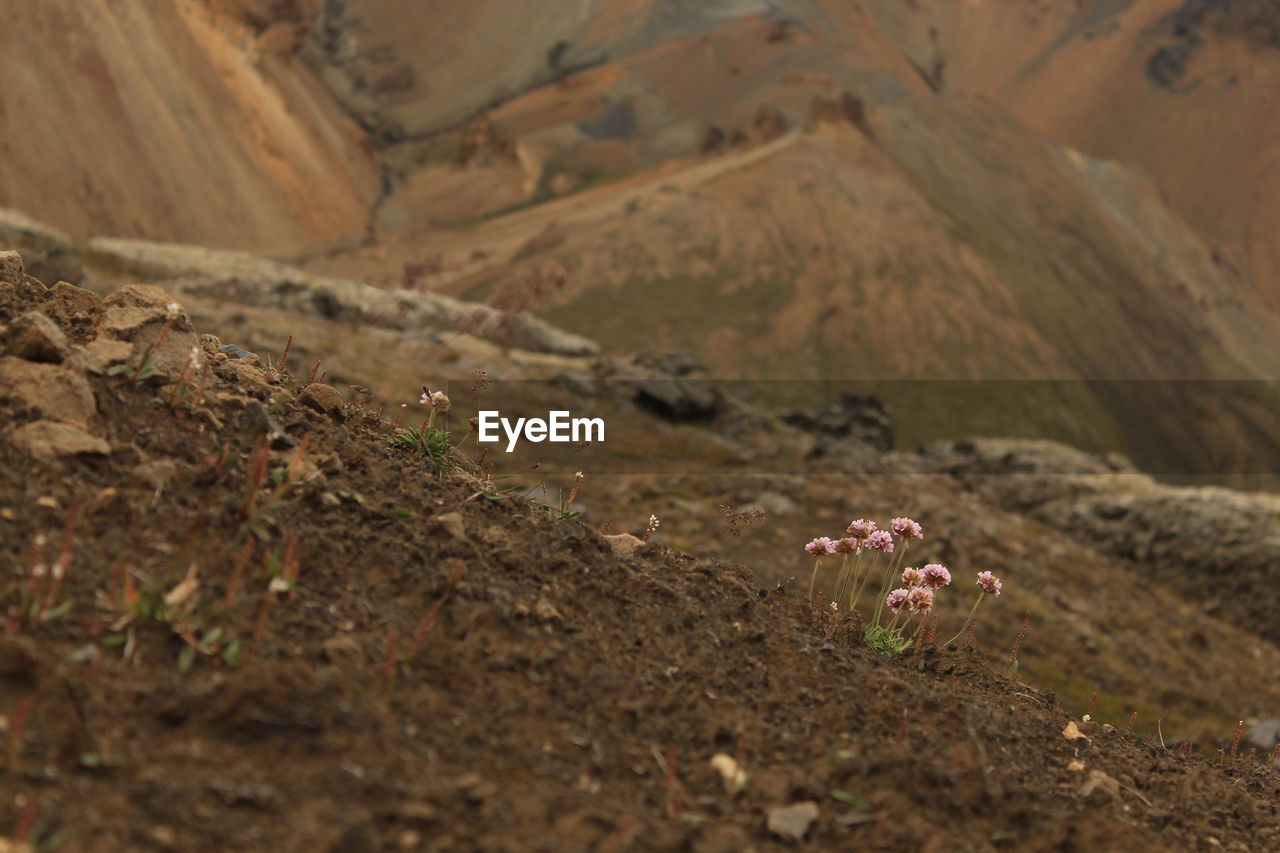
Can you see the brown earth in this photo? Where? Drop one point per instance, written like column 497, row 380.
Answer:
column 282, row 727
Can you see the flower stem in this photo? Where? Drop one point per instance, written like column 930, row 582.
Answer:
column 966, row 622
column 888, row 578
column 814, row 577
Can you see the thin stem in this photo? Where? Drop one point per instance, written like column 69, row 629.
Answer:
column 966, row 622
column 853, row 578
column 888, row 577
column 871, row 570
column 814, row 577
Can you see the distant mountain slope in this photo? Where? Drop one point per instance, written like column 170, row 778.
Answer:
column 171, row 121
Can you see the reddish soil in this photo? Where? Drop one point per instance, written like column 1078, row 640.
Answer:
column 566, row 696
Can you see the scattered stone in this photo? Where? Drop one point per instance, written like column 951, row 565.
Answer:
column 11, row 269
column 1099, row 788
column 724, row 838
column 75, row 299
column 48, row 390
column 452, row 523
column 679, row 399
column 792, row 822
column 324, row 399
column 233, row 351
column 35, row 337
column 1264, row 732
column 547, row 611
column 50, row 439
column 156, row 473
column 103, row 353
column 623, row 544
column 1072, row 732
column 861, row 418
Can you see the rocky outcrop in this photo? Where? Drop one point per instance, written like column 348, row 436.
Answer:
column 1220, row 547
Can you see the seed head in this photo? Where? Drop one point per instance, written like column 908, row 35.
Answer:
column 990, row 583
column 936, row 576
column 881, row 540
column 847, row 545
column 912, row 578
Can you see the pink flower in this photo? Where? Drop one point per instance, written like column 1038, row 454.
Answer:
column 906, row 528
column 862, row 528
column 912, row 578
column 847, row 545
column 881, row 540
column 936, row 576
column 989, row 583
column 896, row 599
column 821, row 546
column 920, row 600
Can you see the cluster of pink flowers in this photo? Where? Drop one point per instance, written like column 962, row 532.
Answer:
column 918, row 587
column 918, row 592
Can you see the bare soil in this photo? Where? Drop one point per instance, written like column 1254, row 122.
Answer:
column 565, row 695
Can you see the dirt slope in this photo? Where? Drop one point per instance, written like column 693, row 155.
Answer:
column 282, row 727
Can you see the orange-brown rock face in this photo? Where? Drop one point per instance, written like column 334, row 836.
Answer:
column 175, row 121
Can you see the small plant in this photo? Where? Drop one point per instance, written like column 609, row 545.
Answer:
column 188, row 391
column 914, row 599
column 427, row 440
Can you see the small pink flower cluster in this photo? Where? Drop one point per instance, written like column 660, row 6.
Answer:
column 918, row 587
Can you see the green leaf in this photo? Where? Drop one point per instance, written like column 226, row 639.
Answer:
column 850, row 799
column 231, row 654
column 56, row 613
column 113, row 640
column 186, row 658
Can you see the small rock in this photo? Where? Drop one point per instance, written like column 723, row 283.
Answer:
column 723, row 838
column 156, row 473
column 792, row 822
column 233, row 351
column 11, row 269
column 48, row 390
column 1072, row 732
column 679, row 399
column 324, row 399
column 35, row 337
column 1099, row 787
column 452, row 524
column 76, row 299
column 623, row 544
column 50, row 439
column 102, row 353
column 547, row 611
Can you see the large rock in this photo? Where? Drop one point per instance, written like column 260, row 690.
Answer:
column 138, row 313
column 854, row 416
column 50, row 391
column 50, row 440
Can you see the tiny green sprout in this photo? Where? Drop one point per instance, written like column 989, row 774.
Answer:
column 851, row 800
column 186, row 659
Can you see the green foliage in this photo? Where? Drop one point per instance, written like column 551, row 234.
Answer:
column 133, row 374
column 427, row 440
column 886, row 641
